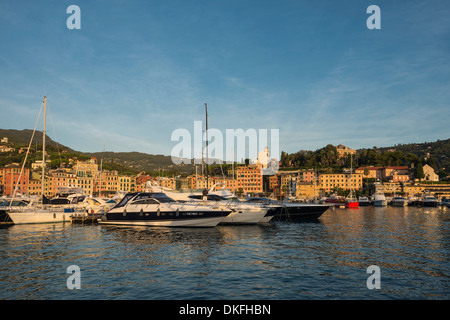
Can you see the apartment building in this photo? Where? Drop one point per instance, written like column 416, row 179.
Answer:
column 249, row 179
column 346, row 181
column 9, row 179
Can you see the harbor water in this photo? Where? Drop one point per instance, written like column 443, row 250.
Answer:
column 326, row 259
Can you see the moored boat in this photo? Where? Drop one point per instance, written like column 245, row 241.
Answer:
column 399, row 202
column 379, row 200
column 241, row 212
column 157, row 209
column 430, row 201
column 363, row 202
column 290, row 211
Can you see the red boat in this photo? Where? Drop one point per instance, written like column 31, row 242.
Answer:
column 338, row 201
column 351, row 203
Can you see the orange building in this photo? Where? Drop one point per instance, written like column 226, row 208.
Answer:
column 9, row 178
column 249, row 179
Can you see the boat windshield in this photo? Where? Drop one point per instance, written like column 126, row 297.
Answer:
column 261, row 200
column 212, row 197
column 146, row 197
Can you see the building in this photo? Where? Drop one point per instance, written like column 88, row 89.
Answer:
column 343, row 150
column 370, row 172
column 307, row 191
column 87, row 168
column 332, row 181
column 390, row 171
column 9, row 180
column 249, row 179
column 429, row 173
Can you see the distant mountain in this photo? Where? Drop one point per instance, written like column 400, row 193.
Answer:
column 22, row 137
column 138, row 161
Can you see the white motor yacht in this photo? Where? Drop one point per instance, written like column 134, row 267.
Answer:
column 157, row 209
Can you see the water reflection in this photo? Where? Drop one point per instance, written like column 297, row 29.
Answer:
column 315, row 260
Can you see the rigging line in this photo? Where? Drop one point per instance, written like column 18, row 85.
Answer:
column 26, row 156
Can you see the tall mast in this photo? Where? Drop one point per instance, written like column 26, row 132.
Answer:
column 43, row 148
column 207, row 171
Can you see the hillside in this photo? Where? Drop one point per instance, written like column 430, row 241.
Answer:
column 436, row 154
column 138, row 162
column 124, row 162
column 22, row 137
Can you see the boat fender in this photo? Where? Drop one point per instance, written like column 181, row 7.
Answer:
column 92, row 211
column 124, row 212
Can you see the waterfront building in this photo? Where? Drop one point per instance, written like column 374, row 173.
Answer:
column 87, row 168
column 307, row 191
column 249, row 179
column 107, row 182
column 9, row 178
column 127, row 183
column 331, row 181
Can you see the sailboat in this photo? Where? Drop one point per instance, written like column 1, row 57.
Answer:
column 38, row 212
column 350, row 201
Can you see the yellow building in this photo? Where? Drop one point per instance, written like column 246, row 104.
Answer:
column 343, row 150
column 127, row 183
column 346, row 181
column 307, row 191
column 107, row 182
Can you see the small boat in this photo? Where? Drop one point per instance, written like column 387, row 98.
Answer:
column 430, row 201
column 157, row 209
column 351, row 203
column 399, row 202
column 379, row 200
column 364, row 202
column 335, row 201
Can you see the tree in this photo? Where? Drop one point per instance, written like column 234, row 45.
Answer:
column 418, row 172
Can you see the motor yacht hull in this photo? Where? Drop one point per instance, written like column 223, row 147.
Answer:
column 247, row 216
column 380, row 203
column 300, row 211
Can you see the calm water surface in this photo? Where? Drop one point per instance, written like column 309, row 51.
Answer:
column 327, row 259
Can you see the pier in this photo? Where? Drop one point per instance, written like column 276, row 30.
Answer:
column 84, row 219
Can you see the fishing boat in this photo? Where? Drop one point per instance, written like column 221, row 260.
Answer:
column 38, row 211
column 157, row 209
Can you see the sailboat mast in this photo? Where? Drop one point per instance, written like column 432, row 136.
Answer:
column 43, row 147
column 207, row 171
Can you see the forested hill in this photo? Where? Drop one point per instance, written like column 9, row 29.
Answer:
column 436, row 154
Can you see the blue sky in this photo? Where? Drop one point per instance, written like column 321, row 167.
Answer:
column 139, row 69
